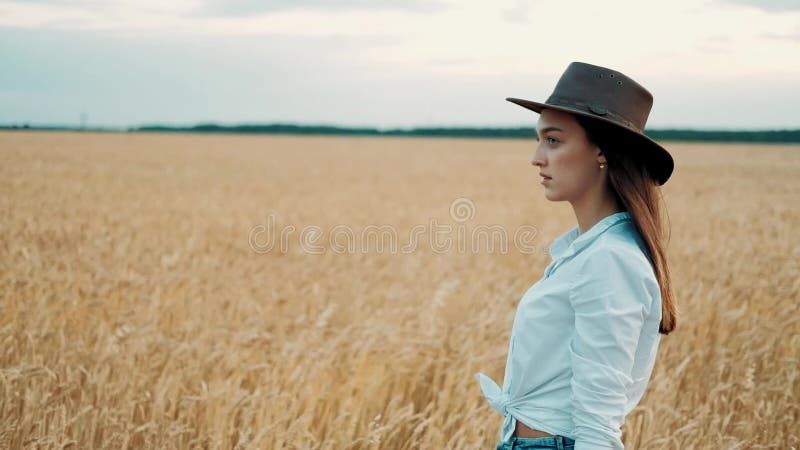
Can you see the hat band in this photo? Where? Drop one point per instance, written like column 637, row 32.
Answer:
column 596, row 109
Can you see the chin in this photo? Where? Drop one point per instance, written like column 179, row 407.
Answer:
column 551, row 196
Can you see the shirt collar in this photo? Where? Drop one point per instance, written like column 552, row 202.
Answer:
column 570, row 242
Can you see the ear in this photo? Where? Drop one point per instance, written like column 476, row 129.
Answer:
column 601, row 158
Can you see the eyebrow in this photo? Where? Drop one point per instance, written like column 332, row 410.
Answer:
column 547, row 130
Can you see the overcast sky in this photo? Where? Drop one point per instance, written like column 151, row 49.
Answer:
column 390, row 63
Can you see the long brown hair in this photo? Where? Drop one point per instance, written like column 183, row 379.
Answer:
column 640, row 195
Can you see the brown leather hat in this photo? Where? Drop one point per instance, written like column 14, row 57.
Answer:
column 611, row 97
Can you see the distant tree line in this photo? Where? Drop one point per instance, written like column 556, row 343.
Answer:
column 789, row 136
column 776, row 136
column 754, row 136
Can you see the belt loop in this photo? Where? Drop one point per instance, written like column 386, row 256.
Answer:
column 560, row 442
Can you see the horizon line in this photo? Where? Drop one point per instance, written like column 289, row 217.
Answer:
column 381, row 129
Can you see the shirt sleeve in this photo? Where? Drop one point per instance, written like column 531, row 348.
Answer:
column 611, row 301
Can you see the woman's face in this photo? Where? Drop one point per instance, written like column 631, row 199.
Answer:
column 565, row 155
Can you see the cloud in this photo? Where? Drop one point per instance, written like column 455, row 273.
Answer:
column 56, row 2
column 52, row 76
column 519, row 12
column 792, row 37
column 238, row 18
column 715, row 45
column 130, row 61
column 248, row 7
column 769, row 5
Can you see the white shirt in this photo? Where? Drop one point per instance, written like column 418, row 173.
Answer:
column 584, row 339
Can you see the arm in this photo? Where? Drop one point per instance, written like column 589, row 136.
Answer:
column 611, row 302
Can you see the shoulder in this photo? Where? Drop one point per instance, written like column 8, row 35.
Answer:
column 616, row 266
column 620, row 247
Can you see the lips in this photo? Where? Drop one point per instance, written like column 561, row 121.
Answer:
column 546, row 177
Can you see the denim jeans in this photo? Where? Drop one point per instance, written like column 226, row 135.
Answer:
column 539, row 443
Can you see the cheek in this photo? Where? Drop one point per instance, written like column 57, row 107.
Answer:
column 567, row 164
column 572, row 167
column 580, row 157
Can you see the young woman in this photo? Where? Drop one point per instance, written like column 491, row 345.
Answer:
column 585, row 336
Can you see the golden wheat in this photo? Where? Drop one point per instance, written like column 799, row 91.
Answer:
column 137, row 310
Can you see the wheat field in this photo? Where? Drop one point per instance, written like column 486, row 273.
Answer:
column 142, row 307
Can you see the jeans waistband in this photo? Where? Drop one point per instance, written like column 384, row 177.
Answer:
column 547, row 442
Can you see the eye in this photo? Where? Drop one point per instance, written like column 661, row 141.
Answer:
column 551, row 140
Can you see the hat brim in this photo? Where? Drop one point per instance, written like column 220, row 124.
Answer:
column 658, row 160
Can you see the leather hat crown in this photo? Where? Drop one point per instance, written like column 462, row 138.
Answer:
column 615, row 99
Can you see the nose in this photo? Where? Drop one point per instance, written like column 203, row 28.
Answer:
column 537, row 159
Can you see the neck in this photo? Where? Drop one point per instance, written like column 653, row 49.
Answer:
column 594, row 208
